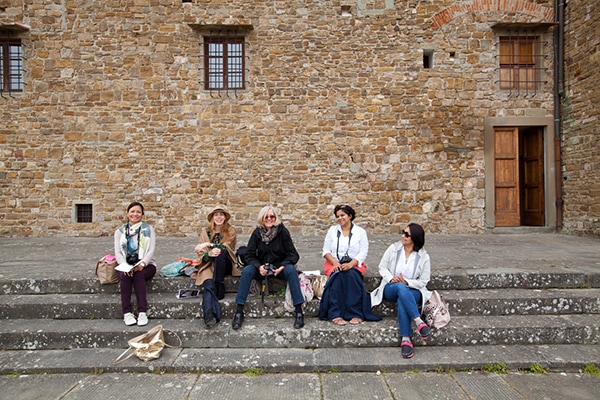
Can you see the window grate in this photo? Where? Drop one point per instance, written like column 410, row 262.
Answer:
column 224, row 64
column 521, row 64
column 84, row 213
column 11, row 62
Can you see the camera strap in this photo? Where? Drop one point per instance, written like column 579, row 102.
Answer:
column 337, row 250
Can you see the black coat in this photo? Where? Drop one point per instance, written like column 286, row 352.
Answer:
column 280, row 251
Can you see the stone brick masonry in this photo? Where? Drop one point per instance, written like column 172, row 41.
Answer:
column 338, row 108
column 581, row 115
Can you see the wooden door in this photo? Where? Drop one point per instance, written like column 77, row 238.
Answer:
column 532, row 190
column 506, row 176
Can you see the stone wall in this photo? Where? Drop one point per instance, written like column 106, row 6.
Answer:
column 581, row 118
column 338, row 109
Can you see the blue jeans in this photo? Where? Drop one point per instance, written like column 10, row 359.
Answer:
column 406, row 300
column 250, row 272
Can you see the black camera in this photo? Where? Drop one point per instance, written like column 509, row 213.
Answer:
column 270, row 269
column 132, row 259
column 345, row 260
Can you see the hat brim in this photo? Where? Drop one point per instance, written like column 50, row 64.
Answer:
column 210, row 215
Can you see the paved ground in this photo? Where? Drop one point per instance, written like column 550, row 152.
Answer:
column 76, row 257
column 303, row 386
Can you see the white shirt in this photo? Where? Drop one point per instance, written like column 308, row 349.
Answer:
column 359, row 243
column 406, row 266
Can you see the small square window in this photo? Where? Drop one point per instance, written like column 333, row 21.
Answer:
column 427, row 58
column 84, row 213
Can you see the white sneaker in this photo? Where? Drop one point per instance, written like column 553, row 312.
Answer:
column 142, row 319
column 129, row 319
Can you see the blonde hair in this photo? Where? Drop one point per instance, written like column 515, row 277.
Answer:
column 261, row 216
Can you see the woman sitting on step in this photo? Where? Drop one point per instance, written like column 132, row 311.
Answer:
column 405, row 269
column 134, row 245
column 345, row 249
column 270, row 251
column 216, row 250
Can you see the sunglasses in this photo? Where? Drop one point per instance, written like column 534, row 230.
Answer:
column 270, row 217
column 405, row 234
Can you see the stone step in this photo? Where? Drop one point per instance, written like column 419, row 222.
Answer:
column 555, row 358
column 167, row 306
column 36, row 334
column 449, row 279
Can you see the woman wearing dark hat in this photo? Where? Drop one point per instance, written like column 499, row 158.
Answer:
column 345, row 249
column 217, row 254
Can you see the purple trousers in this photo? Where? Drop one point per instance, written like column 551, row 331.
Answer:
column 136, row 282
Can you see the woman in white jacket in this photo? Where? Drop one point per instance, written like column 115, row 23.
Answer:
column 405, row 269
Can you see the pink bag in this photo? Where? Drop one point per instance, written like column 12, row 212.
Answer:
column 436, row 311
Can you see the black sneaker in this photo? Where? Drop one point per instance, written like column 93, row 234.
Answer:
column 407, row 349
column 424, row 331
column 238, row 320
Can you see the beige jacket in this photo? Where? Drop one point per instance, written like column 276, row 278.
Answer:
column 206, row 269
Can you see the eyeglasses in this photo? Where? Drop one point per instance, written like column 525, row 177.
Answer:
column 405, row 234
column 270, row 217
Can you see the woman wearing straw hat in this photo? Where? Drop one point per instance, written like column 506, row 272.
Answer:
column 216, row 250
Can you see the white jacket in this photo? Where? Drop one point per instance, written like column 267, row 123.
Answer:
column 386, row 270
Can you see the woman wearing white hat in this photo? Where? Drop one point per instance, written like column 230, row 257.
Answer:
column 216, row 250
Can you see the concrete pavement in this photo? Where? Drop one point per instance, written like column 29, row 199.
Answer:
column 303, row 386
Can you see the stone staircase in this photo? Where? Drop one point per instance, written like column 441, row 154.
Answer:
column 514, row 316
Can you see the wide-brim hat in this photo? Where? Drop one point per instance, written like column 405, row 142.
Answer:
column 221, row 208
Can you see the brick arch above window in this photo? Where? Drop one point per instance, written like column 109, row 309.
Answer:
column 540, row 12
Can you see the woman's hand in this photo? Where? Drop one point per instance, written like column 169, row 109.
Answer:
column 348, row 266
column 214, row 252
column 137, row 268
column 199, row 249
column 278, row 270
column 398, row 279
column 262, row 270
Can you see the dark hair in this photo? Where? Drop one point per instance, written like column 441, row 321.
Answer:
column 346, row 209
column 135, row 203
column 417, row 235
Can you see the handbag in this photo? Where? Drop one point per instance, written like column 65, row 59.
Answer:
column 105, row 270
column 147, row 346
column 435, row 311
column 305, row 288
column 318, row 284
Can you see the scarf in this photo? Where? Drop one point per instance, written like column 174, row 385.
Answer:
column 135, row 239
column 268, row 235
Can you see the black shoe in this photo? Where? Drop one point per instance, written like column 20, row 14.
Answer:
column 299, row 322
column 238, row 320
column 210, row 320
column 220, row 290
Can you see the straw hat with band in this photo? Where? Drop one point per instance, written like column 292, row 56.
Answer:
column 221, row 209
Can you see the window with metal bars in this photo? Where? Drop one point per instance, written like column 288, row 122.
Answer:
column 11, row 60
column 520, row 63
column 84, row 213
column 224, row 63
